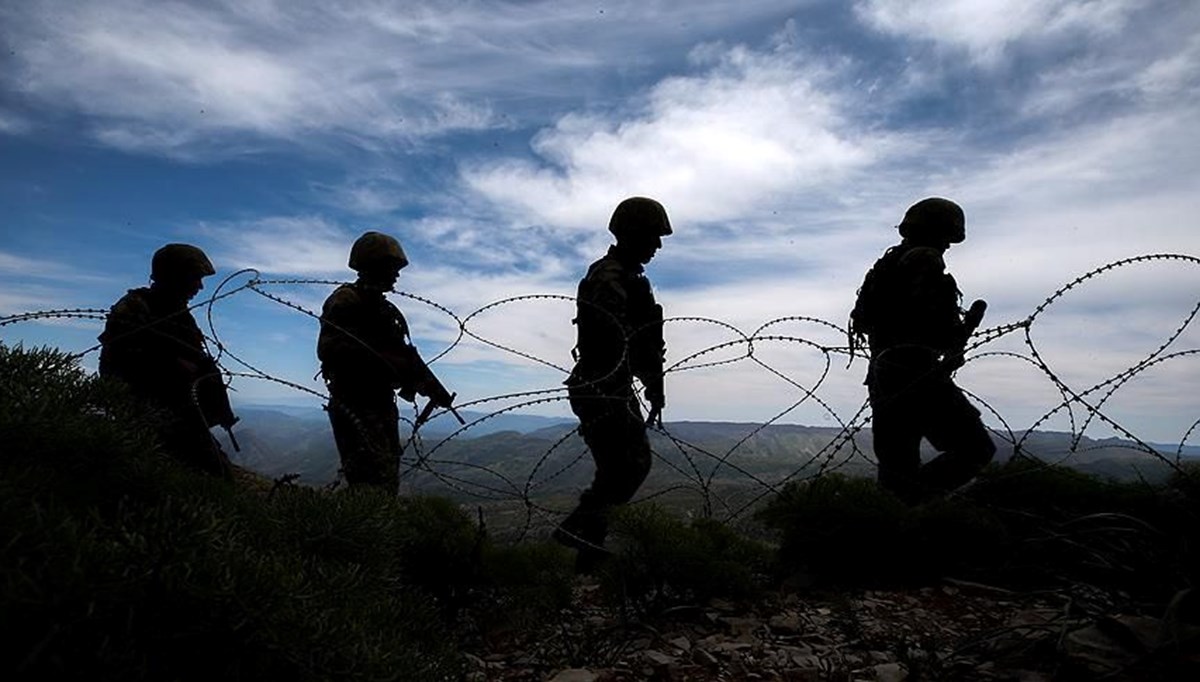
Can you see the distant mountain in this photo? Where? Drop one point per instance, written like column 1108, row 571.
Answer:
column 513, row 455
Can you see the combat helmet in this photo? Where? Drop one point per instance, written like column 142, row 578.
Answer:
column 639, row 216
column 375, row 250
column 934, row 217
column 180, row 261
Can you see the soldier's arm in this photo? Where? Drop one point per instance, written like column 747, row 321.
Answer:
column 935, row 294
column 603, row 301
column 142, row 349
column 339, row 342
column 647, row 349
column 406, row 364
column 607, row 292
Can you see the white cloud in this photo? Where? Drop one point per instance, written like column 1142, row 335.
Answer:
column 782, row 172
column 750, row 129
column 986, row 29
column 170, row 76
column 14, row 266
column 303, row 245
column 1173, row 75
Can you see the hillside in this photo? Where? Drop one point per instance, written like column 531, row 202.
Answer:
column 526, row 449
column 118, row 563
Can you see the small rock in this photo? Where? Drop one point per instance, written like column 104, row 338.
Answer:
column 658, row 658
column 703, row 657
column 741, row 626
column 890, row 672
column 1098, row 650
column 785, row 623
column 801, row 675
column 574, row 675
column 681, row 643
column 710, row 642
column 684, row 672
column 806, row 662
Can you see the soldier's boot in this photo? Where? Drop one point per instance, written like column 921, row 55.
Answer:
column 951, row 470
column 584, row 530
column 589, row 560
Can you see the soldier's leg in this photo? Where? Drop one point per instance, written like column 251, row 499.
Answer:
column 616, row 436
column 625, row 462
column 186, row 438
column 955, row 428
column 366, row 431
column 896, row 432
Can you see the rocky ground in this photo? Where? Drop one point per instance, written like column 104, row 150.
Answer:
column 954, row 631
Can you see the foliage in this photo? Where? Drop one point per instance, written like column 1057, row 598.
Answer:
column 661, row 559
column 116, row 563
column 1023, row 523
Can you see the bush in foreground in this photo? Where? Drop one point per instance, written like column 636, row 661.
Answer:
column 1022, row 524
column 662, row 560
column 117, row 563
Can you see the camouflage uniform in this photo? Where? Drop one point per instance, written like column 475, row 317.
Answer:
column 909, row 309
column 152, row 343
column 366, row 356
column 619, row 337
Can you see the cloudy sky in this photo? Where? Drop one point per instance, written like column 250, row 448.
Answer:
column 494, row 138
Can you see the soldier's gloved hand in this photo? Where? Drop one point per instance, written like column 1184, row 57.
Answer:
column 953, row 361
column 407, row 393
column 657, row 401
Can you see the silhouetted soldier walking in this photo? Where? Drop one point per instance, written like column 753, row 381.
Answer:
column 366, row 356
column 908, row 310
column 152, row 343
column 619, row 337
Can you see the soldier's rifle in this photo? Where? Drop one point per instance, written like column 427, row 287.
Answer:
column 654, row 352
column 426, row 383
column 212, row 396
column 428, row 410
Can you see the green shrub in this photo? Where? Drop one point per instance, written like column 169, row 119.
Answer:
column 1021, row 524
column 660, row 559
column 523, row 586
column 838, row 529
column 116, row 563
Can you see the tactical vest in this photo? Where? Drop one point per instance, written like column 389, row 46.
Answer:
column 906, row 300
column 619, row 323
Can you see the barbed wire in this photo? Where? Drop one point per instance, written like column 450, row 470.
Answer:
column 693, row 468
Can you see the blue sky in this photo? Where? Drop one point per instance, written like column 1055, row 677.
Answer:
column 494, row 138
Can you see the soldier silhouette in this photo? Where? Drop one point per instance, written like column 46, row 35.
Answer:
column 152, row 343
column 908, row 312
column 366, row 356
column 619, row 338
